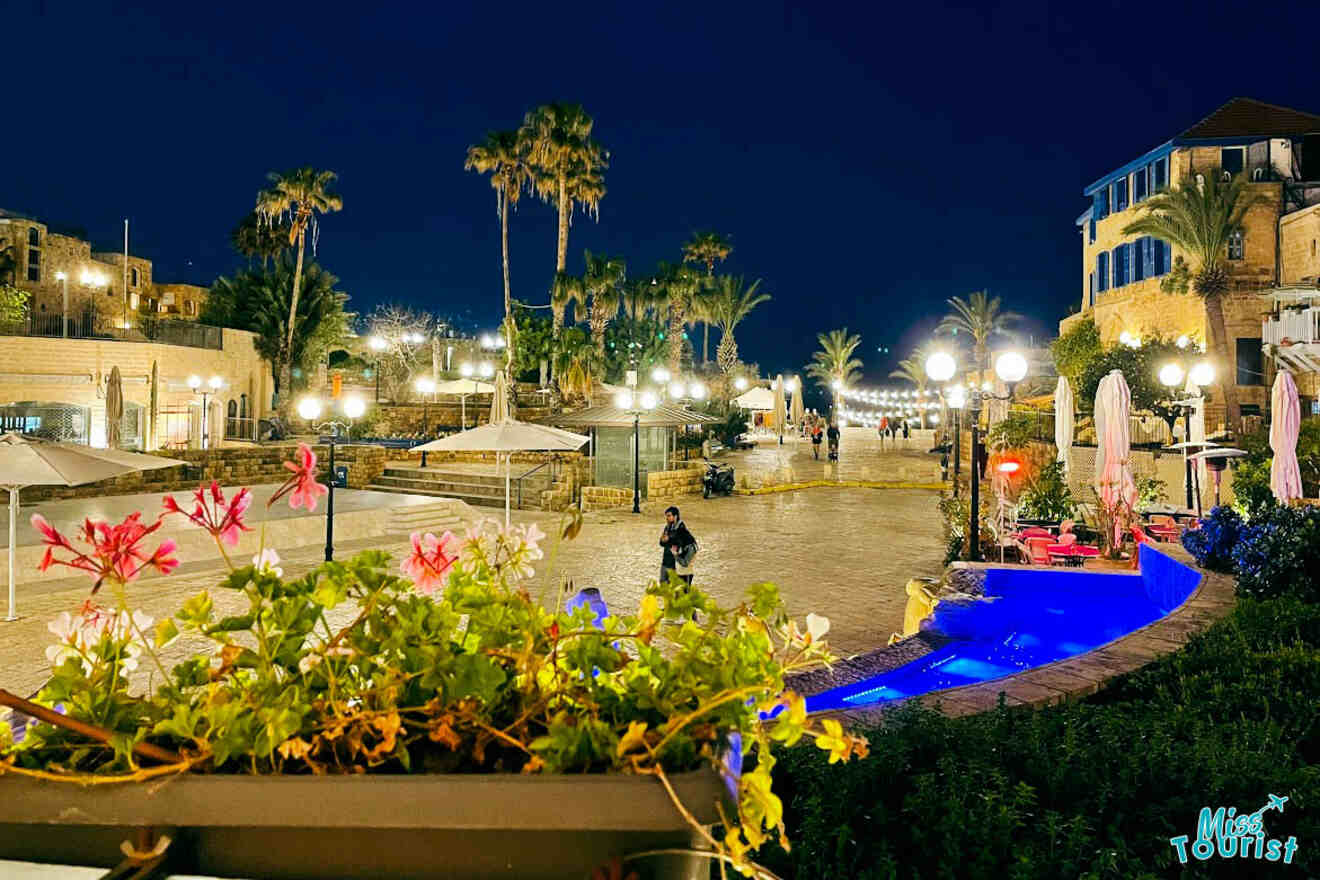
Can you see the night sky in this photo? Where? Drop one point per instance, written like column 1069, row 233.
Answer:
column 869, row 160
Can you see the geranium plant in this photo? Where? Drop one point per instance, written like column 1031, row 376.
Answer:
column 447, row 663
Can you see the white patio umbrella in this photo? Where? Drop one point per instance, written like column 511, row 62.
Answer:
column 463, row 389
column 1285, row 424
column 27, row 461
column 114, row 408
column 506, row 437
column 780, row 408
column 499, row 405
column 1196, row 430
column 799, row 411
column 1064, row 406
column 1113, row 475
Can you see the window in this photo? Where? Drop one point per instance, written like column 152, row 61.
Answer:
column 1121, row 265
column 34, row 265
column 1250, row 369
column 34, row 237
column 189, row 307
column 1236, row 246
column 1120, row 197
column 1159, row 174
column 1312, row 246
column 1090, row 289
column 134, row 276
column 1102, row 271
column 1139, row 181
column 1139, row 260
column 1100, row 204
column 1092, row 225
column 1232, row 160
column 134, row 302
column 1163, row 257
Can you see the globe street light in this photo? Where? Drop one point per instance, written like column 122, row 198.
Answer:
column 213, row 385
column 635, row 404
column 311, row 408
column 1182, row 403
column 740, row 383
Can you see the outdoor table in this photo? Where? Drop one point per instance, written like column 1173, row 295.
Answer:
column 1164, row 533
column 1072, row 554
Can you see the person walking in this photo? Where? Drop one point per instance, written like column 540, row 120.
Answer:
column 907, row 433
column 817, row 435
column 833, row 436
column 884, row 430
column 680, row 548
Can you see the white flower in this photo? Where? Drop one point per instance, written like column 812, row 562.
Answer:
column 268, row 562
column 308, row 663
column 817, row 626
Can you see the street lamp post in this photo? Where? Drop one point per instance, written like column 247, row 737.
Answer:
column 635, row 403
column 64, row 310
column 377, row 345
column 213, row 385
column 310, row 409
column 426, row 387
column 1171, row 376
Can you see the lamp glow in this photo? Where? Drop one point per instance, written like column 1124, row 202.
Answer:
column 1171, row 375
column 194, row 382
column 466, row 371
column 376, row 343
column 740, row 383
column 957, row 397
column 216, row 383
column 649, row 400
column 487, row 371
column 837, row 384
column 698, row 391
column 1202, row 374
column 309, row 408
column 426, row 386
column 941, row 366
column 60, row 276
column 790, row 385
column 676, row 389
column 1009, row 467
column 1184, row 341
column 623, row 400
column 660, row 374
column 354, row 407
column 1011, row 367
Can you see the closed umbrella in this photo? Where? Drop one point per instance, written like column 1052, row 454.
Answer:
column 1196, row 428
column 799, row 412
column 499, row 406
column 506, row 437
column 114, row 407
column 1114, row 481
column 28, row 461
column 153, row 408
column 1063, row 423
column 780, row 408
column 1285, row 424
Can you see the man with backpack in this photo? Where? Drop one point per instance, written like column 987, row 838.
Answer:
column 679, row 546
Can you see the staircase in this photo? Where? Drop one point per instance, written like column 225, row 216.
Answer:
column 477, row 488
column 438, row 516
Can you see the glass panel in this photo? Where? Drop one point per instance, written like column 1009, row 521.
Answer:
column 1250, row 367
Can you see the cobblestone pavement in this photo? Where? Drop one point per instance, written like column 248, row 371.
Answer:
column 860, row 458
column 845, row 553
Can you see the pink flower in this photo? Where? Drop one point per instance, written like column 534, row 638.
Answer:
column 268, row 562
column 115, row 552
column 224, row 520
column 431, row 562
column 301, row 487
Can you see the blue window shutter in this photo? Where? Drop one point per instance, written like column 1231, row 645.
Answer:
column 1148, row 250
column 1168, row 259
column 1138, row 249
column 1090, row 289
column 1102, row 271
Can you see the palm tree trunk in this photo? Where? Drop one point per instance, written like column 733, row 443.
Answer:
column 705, row 342
column 675, row 339
column 1214, row 312
column 561, row 255
column 286, row 368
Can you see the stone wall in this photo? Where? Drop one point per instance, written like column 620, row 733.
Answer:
column 1299, row 245
column 663, row 485
column 604, row 498
column 407, row 419
column 1163, row 466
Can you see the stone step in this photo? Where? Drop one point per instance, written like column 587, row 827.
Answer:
column 476, row 499
column 465, row 478
column 438, row 516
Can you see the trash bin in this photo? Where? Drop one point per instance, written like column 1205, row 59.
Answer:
column 341, row 476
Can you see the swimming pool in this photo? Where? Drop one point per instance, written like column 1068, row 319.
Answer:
column 1029, row 617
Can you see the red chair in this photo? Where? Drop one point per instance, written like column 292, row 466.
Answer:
column 1038, row 548
column 1139, row 537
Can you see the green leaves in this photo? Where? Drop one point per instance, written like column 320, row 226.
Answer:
column 473, row 676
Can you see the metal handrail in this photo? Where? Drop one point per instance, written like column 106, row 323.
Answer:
column 522, row 477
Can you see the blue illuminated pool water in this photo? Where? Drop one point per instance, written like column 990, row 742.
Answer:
column 1030, row 617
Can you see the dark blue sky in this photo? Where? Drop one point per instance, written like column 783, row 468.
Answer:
column 869, row 160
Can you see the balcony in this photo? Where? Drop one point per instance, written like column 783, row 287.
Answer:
column 1293, row 332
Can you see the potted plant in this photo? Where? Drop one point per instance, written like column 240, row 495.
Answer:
column 428, row 718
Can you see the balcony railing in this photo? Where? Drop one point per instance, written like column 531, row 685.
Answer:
column 1296, row 325
column 87, row 324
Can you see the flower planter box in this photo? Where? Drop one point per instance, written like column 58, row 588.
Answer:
column 425, row 826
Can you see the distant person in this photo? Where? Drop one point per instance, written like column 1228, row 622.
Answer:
column 817, row 435
column 832, row 435
column 884, row 430
column 907, row 433
column 679, row 546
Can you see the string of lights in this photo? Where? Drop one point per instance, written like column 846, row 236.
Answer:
column 885, row 395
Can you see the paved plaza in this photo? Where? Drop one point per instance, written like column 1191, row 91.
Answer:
column 844, row 553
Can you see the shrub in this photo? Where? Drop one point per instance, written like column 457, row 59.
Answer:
column 1020, row 429
column 1212, row 544
column 1092, row 789
column 1048, row 496
column 1279, row 555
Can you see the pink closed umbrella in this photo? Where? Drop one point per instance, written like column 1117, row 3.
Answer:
column 1285, row 424
column 1113, row 479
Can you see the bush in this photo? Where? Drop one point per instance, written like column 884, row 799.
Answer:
column 1020, row 429
column 1092, row 789
column 1212, row 544
column 1251, row 487
column 1279, row 555
column 1048, row 496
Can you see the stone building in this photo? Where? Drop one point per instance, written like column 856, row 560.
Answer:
column 1279, row 151
column 51, row 264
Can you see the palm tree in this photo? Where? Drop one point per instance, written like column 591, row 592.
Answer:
column 601, row 282
column 707, row 248
column 567, row 289
column 503, row 155
column 255, row 238
column 913, row 369
column 641, row 296
column 980, row 317
column 679, row 285
column 834, row 366
column 568, row 165
column 1199, row 217
column 732, row 301
column 297, row 196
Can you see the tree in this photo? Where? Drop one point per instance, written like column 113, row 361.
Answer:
column 405, row 333
column 731, row 302
column 13, row 304
column 1140, row 368
column 633, row 344
column 678, row 285
column 259, row 239
column 297, row 197
column 8, row 265
column 707, row 249
column 833, row 366
column 503, row 155
column 641, row 297
column 568, row 166
column 258, row 300
column 980, row 317
column 1075, row 350
column 602, row 282
column 913, row 369
column 1199, row 217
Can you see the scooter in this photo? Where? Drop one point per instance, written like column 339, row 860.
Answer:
column 717, row 480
